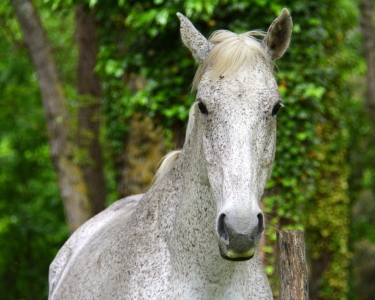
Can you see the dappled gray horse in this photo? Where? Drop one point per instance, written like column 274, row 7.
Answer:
column 194, row 234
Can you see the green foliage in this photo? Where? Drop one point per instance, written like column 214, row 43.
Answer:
column 311, row 168
column 32, row 223
column 32, row 226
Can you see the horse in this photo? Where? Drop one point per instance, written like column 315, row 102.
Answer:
column 194, row 234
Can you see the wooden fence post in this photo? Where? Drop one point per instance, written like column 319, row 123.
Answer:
column 292, row 267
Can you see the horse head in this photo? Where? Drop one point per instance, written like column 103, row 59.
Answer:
column 235, row 114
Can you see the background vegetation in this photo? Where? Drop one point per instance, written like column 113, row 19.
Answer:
column 137, row 97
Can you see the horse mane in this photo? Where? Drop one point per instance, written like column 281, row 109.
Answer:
column 230, row 52
column 168, row 161
column 166, row 165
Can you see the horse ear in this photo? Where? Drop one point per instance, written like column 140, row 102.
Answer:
column 194, row 40
column 278, row 36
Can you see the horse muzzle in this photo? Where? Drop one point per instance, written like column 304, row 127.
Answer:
column 235, row 245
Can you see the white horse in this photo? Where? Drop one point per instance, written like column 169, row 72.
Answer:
column 194, row 234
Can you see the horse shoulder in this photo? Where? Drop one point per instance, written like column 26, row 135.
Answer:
column 84, row 234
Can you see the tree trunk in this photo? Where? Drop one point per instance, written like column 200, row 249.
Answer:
column 70, row 177
column 90, row 92
column 292, row 267
column 143, row 149
column 368, row 41
column 327, row 229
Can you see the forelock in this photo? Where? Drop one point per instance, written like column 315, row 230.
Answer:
column 230, row 53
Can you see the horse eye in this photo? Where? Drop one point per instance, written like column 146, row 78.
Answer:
column 202, row 107
column 276, row 108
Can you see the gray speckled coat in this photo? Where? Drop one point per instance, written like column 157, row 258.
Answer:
column 194, row 234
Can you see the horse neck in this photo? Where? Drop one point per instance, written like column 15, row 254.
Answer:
column 188, row 212
column 192, row 237
column 189, row 176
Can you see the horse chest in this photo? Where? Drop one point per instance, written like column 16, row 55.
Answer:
column 229, row 284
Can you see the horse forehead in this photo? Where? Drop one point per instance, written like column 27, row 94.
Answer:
column 257, row 77
column 256, row 87
column 247, row 100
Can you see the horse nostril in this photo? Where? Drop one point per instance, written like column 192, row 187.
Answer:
column 222, row 228
column 260, row 223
